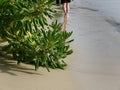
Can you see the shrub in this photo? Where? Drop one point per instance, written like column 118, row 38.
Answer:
column 31, row 38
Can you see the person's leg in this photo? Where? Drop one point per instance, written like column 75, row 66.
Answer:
column 64, row 23
column 67, row 8
column 64, row 7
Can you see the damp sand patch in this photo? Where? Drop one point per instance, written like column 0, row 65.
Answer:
column 114, row 24
column 86, row 8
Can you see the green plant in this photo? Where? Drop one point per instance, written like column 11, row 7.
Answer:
column 31, row 38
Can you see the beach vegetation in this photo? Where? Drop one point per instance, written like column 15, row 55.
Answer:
column 31, row 38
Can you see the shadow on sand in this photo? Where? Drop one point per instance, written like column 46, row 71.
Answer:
column 10, row 67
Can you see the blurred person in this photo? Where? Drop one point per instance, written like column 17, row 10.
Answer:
column 66, row 7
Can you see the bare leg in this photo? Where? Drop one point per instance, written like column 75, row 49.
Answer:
column 67, row 9
column 64, row 8
column 66, row 15
column 64, row 23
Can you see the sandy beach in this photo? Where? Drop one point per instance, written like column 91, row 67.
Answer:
column 94, row 65
column 23, row 77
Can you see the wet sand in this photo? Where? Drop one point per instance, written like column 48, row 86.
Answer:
column 96, row 60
